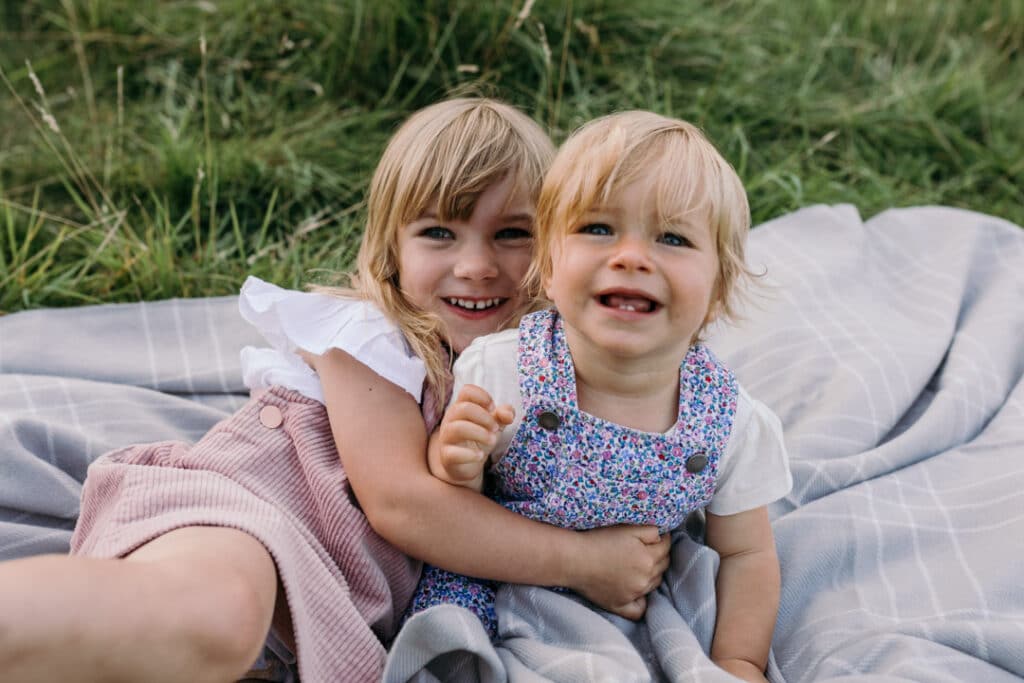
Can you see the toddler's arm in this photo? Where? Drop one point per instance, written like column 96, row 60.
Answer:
column 747, row 588
column 381, row 440
column 460, row 446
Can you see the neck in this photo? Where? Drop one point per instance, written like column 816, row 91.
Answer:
column 638, row 395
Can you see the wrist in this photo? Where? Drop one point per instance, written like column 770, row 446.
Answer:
column 569, row 566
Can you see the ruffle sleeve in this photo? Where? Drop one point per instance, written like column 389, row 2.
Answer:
column 291, row 320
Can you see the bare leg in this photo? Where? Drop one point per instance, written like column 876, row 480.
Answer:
column 194, row 605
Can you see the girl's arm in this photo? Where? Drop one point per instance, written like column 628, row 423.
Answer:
column 382, row 443
column 747, row 589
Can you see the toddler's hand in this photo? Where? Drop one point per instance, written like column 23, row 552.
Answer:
column 467, row 435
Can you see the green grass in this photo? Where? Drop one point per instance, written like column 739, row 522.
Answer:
column 143, row 167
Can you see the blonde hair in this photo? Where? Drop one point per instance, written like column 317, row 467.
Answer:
column 689, row 174
column 441, row 159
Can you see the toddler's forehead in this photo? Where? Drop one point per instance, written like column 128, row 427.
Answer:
column 670, row 196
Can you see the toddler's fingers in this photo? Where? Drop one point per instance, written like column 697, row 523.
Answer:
column 473, row 413
column 504, row 414
column 462, row 455
column 465, row 431
column 471, row 393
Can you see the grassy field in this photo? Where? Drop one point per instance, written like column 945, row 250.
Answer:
column 158, row 149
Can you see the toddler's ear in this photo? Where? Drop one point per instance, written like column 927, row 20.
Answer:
column 714, row 310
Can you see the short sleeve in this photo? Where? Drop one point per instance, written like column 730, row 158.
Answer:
column 291, row 320
column 491, row 362
column 754, row 469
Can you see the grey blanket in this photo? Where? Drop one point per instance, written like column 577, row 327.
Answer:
column 892, row 350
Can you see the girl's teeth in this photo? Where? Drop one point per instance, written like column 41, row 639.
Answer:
column 474, row 305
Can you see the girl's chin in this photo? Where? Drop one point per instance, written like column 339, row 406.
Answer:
column 463, row 335
column 463, row 338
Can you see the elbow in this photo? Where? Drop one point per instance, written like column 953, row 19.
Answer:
column 393, row 515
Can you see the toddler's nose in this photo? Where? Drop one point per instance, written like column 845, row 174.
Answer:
column 631, row 253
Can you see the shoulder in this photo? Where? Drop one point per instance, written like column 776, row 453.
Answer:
column 314, row 318
column 292, row 320
column 491, row 363
column 754, row 469
column 487, row 357
column 498, row 343
column 752, row 414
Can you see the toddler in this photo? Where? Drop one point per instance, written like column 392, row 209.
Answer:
column 606, row 408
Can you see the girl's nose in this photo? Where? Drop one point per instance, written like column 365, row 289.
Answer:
column 476, row 263
column 631, row 253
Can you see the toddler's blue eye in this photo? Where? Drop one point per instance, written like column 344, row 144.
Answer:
column 674, row 240
column 596, row 229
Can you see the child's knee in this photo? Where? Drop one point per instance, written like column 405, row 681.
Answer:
column 221, row 588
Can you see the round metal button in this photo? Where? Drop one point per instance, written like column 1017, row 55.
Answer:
column 549, row 420
column 696, row 463
column 270, row 417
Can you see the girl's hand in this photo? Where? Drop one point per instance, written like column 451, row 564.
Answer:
column 619, row 565
column 468, row 433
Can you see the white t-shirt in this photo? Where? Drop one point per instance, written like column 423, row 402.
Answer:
column 291, row 320
column 753, row 470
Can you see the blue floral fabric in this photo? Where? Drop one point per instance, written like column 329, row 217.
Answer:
column 578, row 471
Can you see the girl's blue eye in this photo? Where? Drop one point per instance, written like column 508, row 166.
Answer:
column 436, row 232
column 596, row 229
column 674, row 240
column 513, row 234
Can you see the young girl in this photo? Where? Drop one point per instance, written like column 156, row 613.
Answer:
column 607, row 409
column 259, row 527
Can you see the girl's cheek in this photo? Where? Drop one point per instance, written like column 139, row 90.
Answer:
column 519, row 263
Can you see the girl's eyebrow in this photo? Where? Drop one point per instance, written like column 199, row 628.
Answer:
column 430, row 214
column 518, row 217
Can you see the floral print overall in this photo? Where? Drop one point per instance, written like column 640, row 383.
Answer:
column 571, row 469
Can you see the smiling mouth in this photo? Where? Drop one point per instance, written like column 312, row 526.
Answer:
column 628, row 302
column 475, row 304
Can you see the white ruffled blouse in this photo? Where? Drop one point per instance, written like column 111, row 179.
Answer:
column 291, row 320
